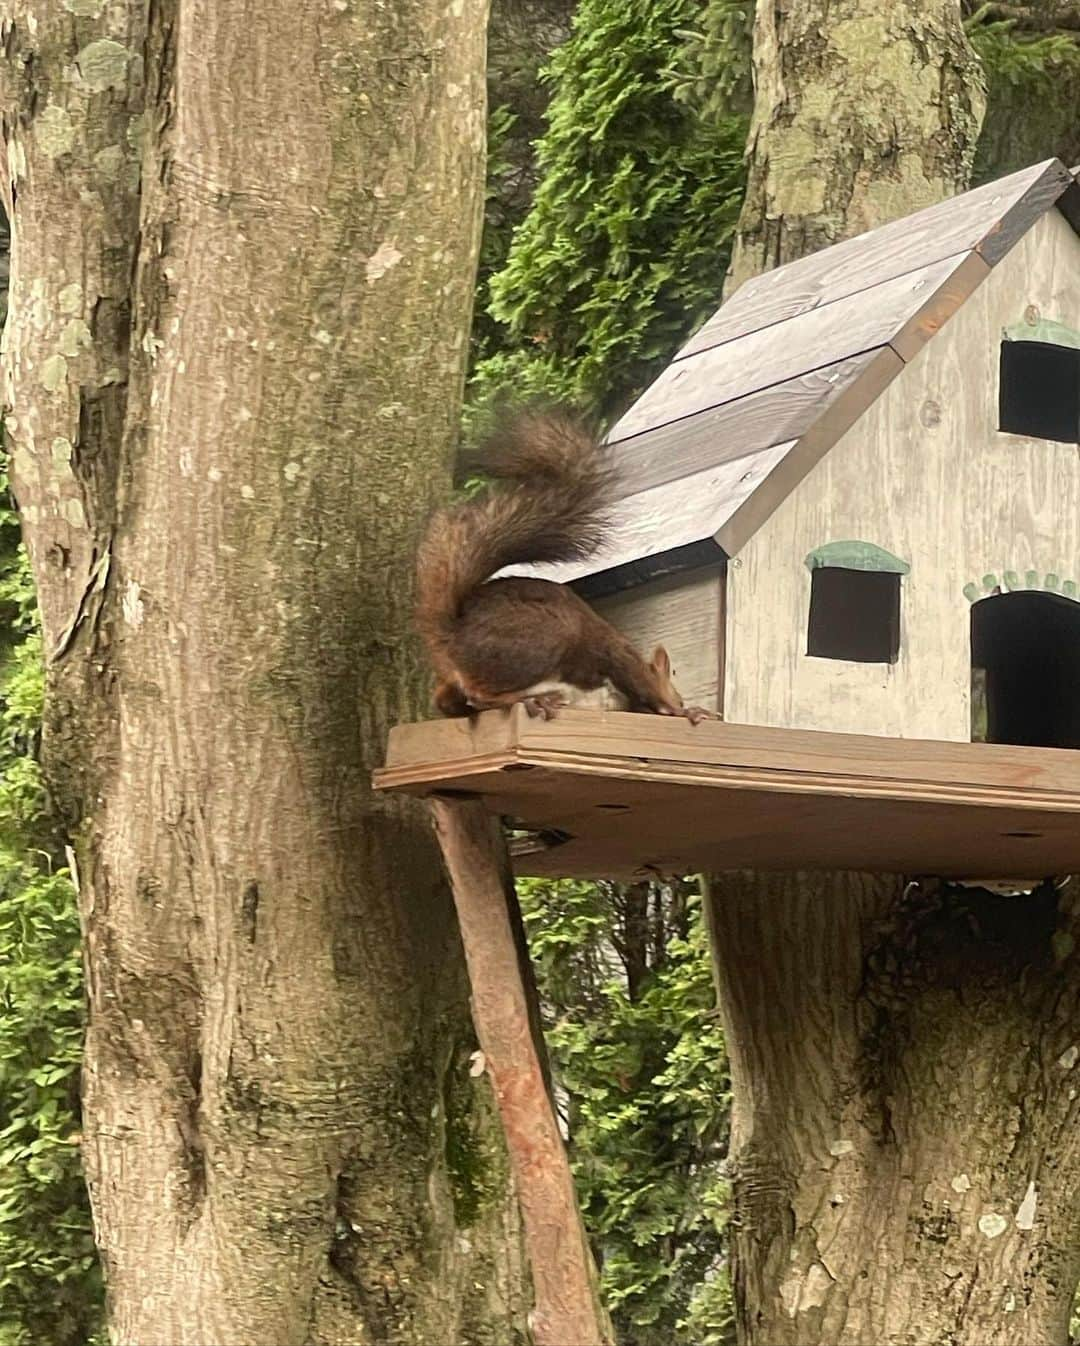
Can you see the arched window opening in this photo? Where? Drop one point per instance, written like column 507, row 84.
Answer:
column 854, row 603
column 1025, row 661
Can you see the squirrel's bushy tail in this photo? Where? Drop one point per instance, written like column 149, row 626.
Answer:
column 554, row 481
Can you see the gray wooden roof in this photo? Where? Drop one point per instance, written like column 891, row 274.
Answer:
column 786, row 366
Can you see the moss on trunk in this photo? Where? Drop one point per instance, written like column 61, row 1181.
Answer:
column 905, row 1159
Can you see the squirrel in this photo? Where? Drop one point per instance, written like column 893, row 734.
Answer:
column 496, row 642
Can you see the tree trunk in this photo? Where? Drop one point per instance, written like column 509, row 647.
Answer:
column 863, row 112
column 905, row 1147
column 905, row 1153
column 244, row 240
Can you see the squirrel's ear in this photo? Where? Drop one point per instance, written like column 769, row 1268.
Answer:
column 661, row 661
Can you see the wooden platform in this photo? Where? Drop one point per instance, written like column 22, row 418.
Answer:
column 616, row 795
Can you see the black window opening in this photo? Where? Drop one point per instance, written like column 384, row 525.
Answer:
column 854, row 615
column 1025, row 661
column 1039, row 391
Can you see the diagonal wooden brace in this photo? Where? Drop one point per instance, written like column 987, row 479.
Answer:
column 567, row 1310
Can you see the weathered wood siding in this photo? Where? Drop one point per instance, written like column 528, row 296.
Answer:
column 925, row 474
column 682, row 613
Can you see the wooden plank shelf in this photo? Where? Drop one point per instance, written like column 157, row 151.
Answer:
column 610, row 794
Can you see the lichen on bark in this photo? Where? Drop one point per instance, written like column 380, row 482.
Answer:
column 862, row 113
column 905, row 1157
column 276, row 987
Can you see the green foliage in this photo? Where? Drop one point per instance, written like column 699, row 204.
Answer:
column 630, row 1020
column 521, row 36
column 712, row 74
column 639, row 179
column 621, row 256
column 502, row 204
column 603, row 250
column 50, row 1284
column 1035, row 60
column 624, row 249
column 1033, row 87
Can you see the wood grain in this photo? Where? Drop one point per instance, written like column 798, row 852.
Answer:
column 904, row 311
column 1043, row 191
column 837, row 417
column 988, row 220
column 733, row 430
column 682, row 613
column 635, row 792
column 924, row 473
column 566, row 1306
column 744, row 385
column 676, row 514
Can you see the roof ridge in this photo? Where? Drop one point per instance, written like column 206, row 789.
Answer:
column 921, row 268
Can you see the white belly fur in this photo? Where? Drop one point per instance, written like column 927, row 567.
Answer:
column 604, row 697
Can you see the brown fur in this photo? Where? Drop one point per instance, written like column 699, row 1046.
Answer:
column 493, row 641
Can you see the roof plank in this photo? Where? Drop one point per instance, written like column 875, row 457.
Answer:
column 988, row 219
column 836, row 419
column 789, row 364
column 906, row 310
column 734, row 429
column 675, row 514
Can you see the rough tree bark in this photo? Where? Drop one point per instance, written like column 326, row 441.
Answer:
column 905, row 1148
column 244, row 240
column 862, row 113
column 905, row 1151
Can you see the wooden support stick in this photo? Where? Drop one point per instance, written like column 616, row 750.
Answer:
column 567, row 1311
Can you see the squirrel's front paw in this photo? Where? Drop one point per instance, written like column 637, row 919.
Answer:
column 695, row 714
column 544, row 706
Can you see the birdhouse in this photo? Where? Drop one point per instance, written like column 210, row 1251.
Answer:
column 852, row 500
column 850, row 509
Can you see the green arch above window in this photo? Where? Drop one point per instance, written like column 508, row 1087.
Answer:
column 856, row 556
column 1047, row 330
